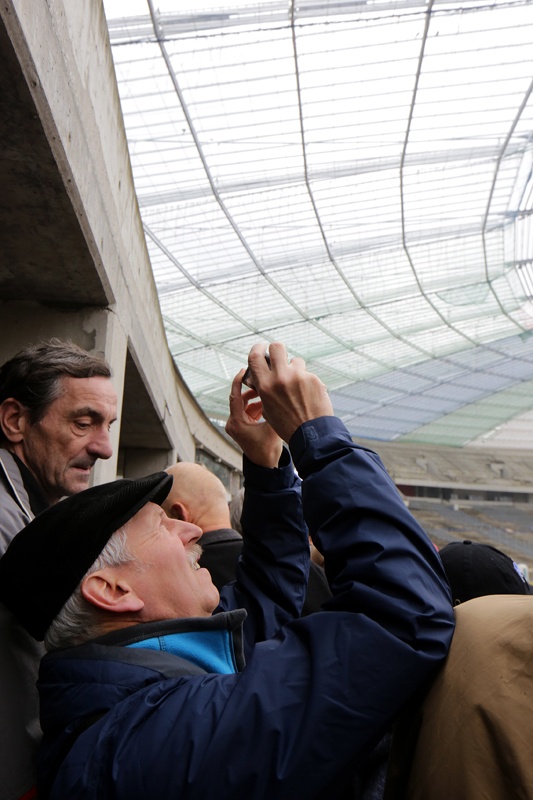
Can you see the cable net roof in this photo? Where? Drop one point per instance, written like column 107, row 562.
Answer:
column 353, row 179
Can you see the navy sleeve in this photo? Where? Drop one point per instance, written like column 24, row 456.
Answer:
column 378, row 559
column 273, row 570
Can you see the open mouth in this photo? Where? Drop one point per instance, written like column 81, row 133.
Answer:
column 194, row 556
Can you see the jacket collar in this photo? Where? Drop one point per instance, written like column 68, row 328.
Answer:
column 220, row 535
column 213, row 643
column 12, row 474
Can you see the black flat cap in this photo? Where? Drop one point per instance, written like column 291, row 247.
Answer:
column 474, row 570
column 46, row 560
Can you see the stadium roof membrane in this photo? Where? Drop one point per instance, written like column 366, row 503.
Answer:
column 354, row 179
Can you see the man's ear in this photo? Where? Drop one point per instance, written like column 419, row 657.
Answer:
column 13, row 419
column 110, row 592
column 178, row 511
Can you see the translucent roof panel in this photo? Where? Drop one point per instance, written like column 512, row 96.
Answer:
column 353, row 179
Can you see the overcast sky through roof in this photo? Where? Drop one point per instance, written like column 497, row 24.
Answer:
column 353, row 179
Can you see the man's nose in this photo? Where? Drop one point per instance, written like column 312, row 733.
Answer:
column 189, row 533
column 100, row 444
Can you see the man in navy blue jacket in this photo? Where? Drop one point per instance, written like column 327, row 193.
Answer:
column 148, row 694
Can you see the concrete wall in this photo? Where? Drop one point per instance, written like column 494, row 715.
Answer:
column 76, row 245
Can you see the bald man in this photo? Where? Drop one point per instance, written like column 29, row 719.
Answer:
column 199, row 497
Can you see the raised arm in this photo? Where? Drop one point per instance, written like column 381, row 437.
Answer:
column 377, row 557
column 273, row 570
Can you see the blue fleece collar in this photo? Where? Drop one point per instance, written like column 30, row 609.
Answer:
column 211, row 650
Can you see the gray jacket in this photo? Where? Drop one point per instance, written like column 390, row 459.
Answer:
column 19, row 655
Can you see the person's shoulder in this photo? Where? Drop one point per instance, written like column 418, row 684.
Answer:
column 8, row 464
column 493, row 640
column 489, row 608
column 14, row 500
column 486, row 625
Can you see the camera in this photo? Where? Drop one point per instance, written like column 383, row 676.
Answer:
column 247, row 377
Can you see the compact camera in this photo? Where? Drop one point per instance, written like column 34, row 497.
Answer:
column 247, row 377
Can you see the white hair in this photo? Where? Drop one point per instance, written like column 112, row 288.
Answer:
column 79, row 620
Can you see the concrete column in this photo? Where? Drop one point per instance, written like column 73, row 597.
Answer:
column 139, row 462
column 112, row 342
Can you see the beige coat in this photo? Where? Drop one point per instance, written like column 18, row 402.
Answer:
column 476, row 735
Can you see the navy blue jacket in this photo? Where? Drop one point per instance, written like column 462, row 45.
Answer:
column 316, row 693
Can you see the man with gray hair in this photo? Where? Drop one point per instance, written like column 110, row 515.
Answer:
column 147, row 693
column 57, row 403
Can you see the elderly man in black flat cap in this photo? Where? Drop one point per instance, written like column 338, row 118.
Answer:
column 157, row 687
